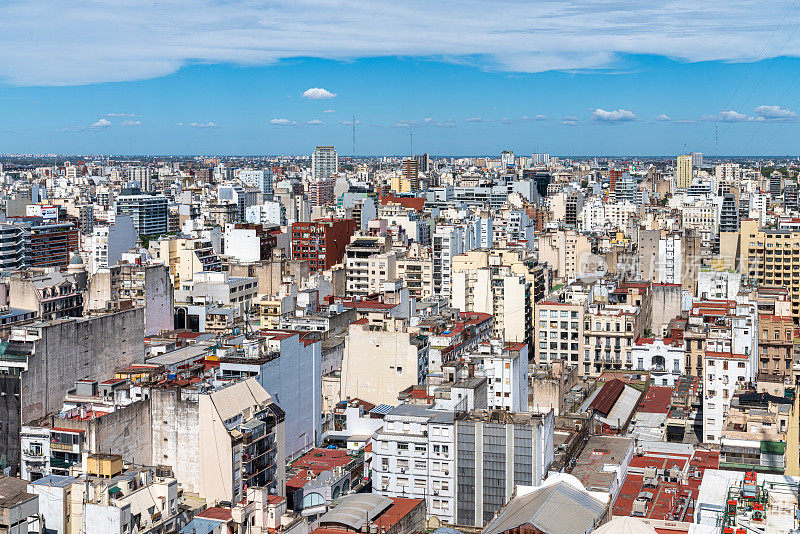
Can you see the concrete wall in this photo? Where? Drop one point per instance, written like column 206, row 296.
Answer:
column 175, row 426
column 126, row 431
column 160, row 300
column 294, row 380
column 11, row 427
column 72, row 349
column 98, row 292
column 665, row 305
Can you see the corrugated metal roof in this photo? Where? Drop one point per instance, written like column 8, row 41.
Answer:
column 382, row 409
column 353, row 510
column 608, row 395
column 556, row 509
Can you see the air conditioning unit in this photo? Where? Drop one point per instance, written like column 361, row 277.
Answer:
column 436, row 492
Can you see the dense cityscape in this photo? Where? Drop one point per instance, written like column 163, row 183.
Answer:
column 330, row 344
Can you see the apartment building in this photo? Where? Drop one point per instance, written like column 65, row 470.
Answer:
column 110, row 498
column 368, row 264
column 185, row 256
column 776, row 335
column 565, row 251
column 663, row 358
column 414, row 455
column 417, row 272
column 730, row 359
column 448, row 242
column 321, row 242
column 324, row 162
column 226, row 438
column 505, row 367
column 770, row 257
column 609, row 332
column 288, row 365
column 559, row 332
column 51, row 245
column 499, row 292
column 382, row 357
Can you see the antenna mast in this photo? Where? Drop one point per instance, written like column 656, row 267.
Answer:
column 354, row 136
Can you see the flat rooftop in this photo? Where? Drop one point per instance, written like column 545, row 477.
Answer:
column 599, row 452
column 669, row 501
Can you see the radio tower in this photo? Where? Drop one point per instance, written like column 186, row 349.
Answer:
column 354, row 137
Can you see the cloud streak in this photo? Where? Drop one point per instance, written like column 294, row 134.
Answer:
column 505, row 35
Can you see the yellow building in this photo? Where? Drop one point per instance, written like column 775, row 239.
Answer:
column 772, row 258
column 684, row 172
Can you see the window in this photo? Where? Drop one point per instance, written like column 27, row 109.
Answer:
column 402, row 446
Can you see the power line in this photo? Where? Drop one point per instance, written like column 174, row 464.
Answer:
column 752, row 65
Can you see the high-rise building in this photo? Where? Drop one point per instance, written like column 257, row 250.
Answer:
column 51, row 245
column 766, row 256
column 729, row 214
column 697, row 159
column 321, row 191
column 424, row 162
column 775, row 182
column 149, row 212
column 324, row 162
column 262, row 179
column 13, row 250
column 506, row 159
column 496, row 451
column 322, row 242
column 411, row 173
column 683, row 175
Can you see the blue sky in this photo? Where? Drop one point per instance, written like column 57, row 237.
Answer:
column 241, row 77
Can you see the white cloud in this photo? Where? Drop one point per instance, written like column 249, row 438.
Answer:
column 315, row 122
column 201, row 125
column 775, row 113
column 282, row 122
column 318, row 93
column 476, row 119
column 349, row 123
column 729, row 115
column 614, row 115
column 122, row 115
column 569, row 120
column 329, row 111
column 100, row 124
column 663, row 118
column 130, row 123
column 502, row 34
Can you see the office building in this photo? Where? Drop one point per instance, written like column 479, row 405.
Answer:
column 497, row 451
column 148, row 212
